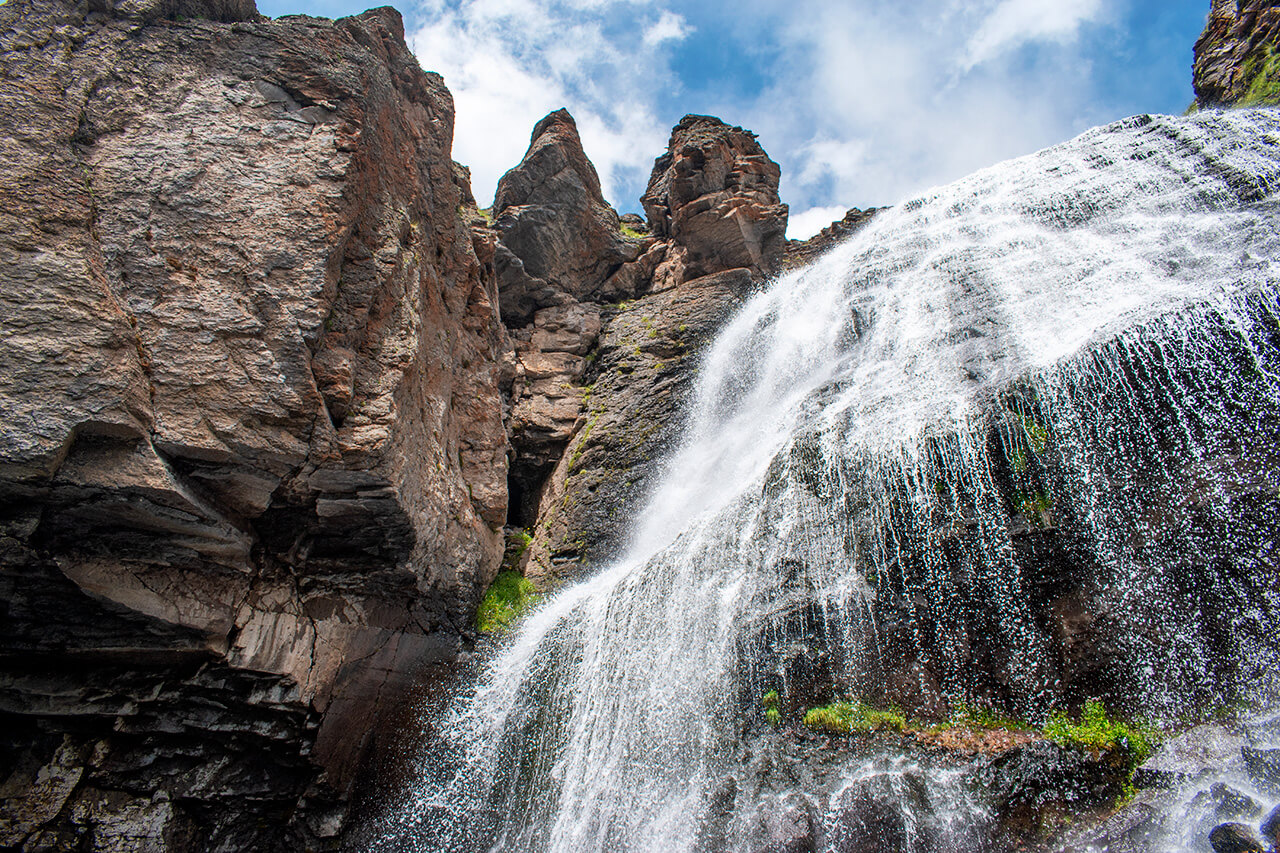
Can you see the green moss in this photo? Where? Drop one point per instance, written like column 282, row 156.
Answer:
column 1132, row 743
column 628, row 231
column 1034, row 506
column 1262, row 70
column 850, row 717
column 773, row 717
column 505, row 601
column 582, row 442
column 1037, row 435
column 770, row 699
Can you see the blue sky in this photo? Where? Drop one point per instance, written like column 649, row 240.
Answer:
column 862, row 102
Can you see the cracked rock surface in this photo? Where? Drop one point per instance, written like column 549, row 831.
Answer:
column 252, row 451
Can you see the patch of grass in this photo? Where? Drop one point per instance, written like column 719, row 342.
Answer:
column 854, row 717
column 1262, row 70
column 1034, row 506
column 1132, row 742
column 506, row 600
column 1037, row 435
column 628, row 231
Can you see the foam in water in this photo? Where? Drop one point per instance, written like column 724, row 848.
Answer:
column 1082, row 343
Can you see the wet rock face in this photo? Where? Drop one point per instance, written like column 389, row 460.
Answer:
column 1234, row 56
column 252, row 457
column 715, row 195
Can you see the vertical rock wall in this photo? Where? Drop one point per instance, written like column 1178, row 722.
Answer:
column 1237, row 57
column 252, row 452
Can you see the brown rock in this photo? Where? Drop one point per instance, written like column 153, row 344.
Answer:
column 715, row 195
column 1234, row 63
column 560, row 240
column 252, row 451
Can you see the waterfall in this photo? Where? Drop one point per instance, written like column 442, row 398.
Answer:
column 1053, row 384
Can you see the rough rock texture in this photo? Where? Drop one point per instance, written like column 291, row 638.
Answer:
column 252, row 457
column 560, row 241
column 601, row 383
column 1237, row 57
column 804, row 252
column 714, row 194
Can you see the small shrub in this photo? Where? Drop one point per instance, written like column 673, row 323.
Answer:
column 773, row 717
column 851, row 717
column 1131, row 742
column 770, row 699
column 506, row 600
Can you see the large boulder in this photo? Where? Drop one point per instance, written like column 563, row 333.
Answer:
column 252, row 457
column 1236, row 59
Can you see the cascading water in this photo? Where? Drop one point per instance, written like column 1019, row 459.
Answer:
column 1038, row 406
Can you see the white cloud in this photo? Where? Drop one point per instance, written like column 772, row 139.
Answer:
column 669, row 27
column 510, row 62
column 803, row 225
column 875, row 101
column 1018, row 22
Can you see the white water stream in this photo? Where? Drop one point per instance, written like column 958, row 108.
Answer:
column 1078, row 345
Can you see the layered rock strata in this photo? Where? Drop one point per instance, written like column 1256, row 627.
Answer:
column 1237, row 57
column 252, row 452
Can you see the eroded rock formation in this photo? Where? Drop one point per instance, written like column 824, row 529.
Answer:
column 1236, row 57
column 602, row 375
column 252, row 459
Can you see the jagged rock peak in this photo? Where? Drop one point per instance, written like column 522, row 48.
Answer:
column 715, row 192
column 555, row 143
column 1235, row 61
column 560, row 241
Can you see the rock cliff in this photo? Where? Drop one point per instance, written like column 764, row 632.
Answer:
column 252, row 451
column 1237, row 57
column 608, row 355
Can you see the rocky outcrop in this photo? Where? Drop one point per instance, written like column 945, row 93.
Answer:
column 252, row 459
column 601, row 382
column 1237, row 57
column 560, row 241
column 560, row 256
column 714, row 196
column 801, row 253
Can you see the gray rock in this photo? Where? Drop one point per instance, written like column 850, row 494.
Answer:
column 1235, row 838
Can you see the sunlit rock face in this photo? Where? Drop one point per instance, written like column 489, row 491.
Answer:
column 252, row 457
column 1235, row 56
